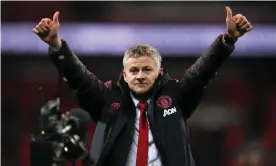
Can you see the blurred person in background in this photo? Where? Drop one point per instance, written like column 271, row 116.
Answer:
column 142, row 116
column 250, row 155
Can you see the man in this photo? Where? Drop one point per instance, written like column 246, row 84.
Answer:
column 141, row 117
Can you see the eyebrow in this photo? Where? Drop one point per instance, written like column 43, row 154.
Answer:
column 142, row 67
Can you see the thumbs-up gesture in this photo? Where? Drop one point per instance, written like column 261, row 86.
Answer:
column 47, row 30
column 237, row 25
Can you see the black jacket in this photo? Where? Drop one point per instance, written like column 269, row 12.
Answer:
column 111, row 106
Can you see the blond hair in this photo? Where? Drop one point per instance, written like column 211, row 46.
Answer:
column 139, row 50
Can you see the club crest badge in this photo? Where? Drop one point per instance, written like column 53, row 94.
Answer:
column 114, row 107
column 164, row 102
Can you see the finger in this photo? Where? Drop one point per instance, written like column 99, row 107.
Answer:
column 235, row 18
column 228, row 12
column 35, row 31
column 44, row 27
column 239, row 20
column 46, row 21
column 243, row 22
column 244, row 27
column 238, row 15
column 55, row 17
column 249, row 28
column 40, row 31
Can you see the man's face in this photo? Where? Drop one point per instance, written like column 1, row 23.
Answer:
column 140, row 73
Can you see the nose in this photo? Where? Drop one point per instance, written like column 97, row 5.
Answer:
column 140, row 76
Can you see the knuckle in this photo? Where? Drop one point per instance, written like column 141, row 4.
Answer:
column 42, row 25
column 46, row 20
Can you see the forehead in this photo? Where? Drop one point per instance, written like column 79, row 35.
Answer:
column 141, row 61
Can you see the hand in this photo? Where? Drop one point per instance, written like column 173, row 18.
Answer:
column 237, row 25
column 47, row 30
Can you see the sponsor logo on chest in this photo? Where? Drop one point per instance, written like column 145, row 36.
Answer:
column 169, row 111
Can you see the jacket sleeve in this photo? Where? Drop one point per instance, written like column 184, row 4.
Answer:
column 89, row 89
column 197, row 77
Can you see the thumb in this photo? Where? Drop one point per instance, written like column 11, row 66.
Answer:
column 55, row 17
column 228, row 12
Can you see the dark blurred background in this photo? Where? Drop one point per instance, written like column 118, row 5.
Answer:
column 233, row 126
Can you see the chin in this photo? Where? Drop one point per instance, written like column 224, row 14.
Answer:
column 142, row 93
column 141, row 90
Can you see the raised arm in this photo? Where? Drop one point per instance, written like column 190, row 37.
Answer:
column 206, row 67
column 90, row 90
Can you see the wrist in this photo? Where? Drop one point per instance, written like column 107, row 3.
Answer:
column 229, row 38
column 56, row 44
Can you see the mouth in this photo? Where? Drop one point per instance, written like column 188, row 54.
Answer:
column 141, row 84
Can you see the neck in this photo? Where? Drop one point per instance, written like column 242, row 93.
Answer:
column 143, row 96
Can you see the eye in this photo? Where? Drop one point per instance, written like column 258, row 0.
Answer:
column 133, row 70
column 147, row 69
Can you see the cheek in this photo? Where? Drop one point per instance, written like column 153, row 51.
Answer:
column 129, row 79
column 154, row 77
column 126, row 77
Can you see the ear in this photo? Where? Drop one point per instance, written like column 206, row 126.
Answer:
column 161, row 71
column 124, row 75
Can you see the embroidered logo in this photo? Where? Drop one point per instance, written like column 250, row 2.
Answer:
column 169, row 111
column 114, row 107
column 164, row 102
column 107, row 84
